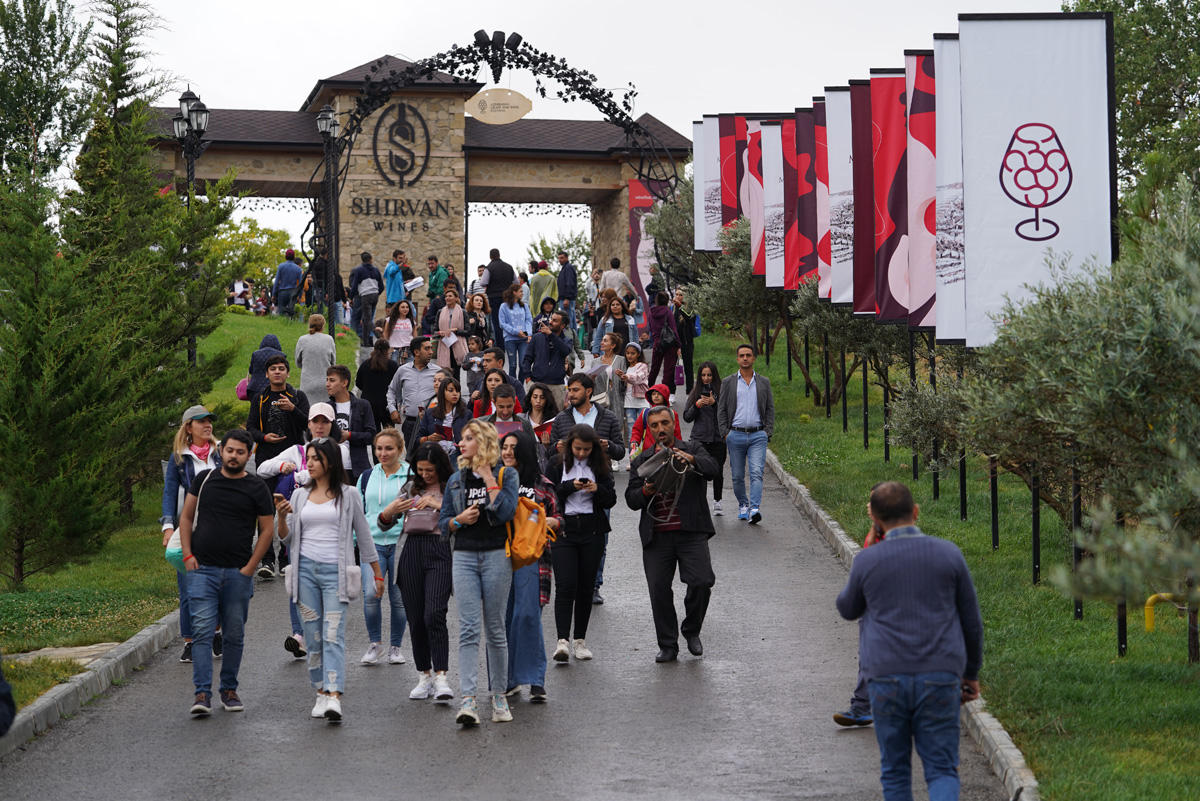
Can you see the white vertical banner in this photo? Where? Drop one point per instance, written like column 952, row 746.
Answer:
column 951, row 284
column 1037, row 150
column 774, row 229
column 699, row 187
column 712, row 182
column 841, row 194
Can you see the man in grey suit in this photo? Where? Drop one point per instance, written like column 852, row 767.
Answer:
column 746, row 417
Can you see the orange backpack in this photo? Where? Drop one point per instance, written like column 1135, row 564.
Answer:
column 527, row 531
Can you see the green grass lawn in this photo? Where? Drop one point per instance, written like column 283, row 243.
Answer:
column 1092, row 725
column 31, row 679
column 112, row 595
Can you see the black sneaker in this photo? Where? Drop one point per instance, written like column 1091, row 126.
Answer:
column 186, row 656
column 231, row 702
column 537, row 694
column 265, row 572
column 202, row 705
column 218, row 645
column 597, row 598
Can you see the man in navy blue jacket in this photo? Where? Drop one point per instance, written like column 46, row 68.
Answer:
column 920, row 646
column 546, row 357
column 568, row 286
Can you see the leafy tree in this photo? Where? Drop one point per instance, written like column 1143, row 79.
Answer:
column 243, row 248
column 578, row 247
column 92, row 358
column 1157, row 66
column 44, row 107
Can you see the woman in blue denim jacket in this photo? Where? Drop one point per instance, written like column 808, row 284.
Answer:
column 516, row 323
column 476, row 508
column 193, row 450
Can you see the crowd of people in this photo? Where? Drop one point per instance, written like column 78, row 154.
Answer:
column 465, row 422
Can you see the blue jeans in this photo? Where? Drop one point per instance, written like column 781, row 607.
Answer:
column 745, row 448
column 366, row 319
column 185, row 606
column 324, row 618
column 373, row 607
column 523, row 624
column 568, row 305
column 285, row 302
column 481, row 583
column 515, row 348
column 920, row 708
column 225, row 593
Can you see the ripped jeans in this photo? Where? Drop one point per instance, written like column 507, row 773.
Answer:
column 324, row 620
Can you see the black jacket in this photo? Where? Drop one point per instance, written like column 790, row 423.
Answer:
column 607, row 427
column 362, row 432
column 263, row 419
column 605, row 496
column 704, row 422
column 693, row 498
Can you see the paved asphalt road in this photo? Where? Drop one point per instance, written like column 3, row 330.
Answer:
column 749, row 720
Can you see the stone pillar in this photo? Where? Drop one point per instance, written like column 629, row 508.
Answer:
column 610, row 230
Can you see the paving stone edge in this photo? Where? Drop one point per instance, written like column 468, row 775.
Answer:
column 1002, row 754
column 67, row 698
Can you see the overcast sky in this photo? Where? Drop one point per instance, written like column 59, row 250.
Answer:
column 268, row 54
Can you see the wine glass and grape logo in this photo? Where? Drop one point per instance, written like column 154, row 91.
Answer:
column 1035, row 173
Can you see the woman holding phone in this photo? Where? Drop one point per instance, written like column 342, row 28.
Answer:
column 701, row 411
column 321, row 527
column 475, row 512
column 586, row 490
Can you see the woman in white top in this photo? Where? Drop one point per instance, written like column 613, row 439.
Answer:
column 586, row 490
column 320, row 527
column 316, row 352
column 399, row 330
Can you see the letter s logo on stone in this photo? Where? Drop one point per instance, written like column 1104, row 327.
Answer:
column 401, row 145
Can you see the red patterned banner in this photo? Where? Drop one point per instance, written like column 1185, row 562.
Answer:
column 891, row 195
column 752, row 196
column 791, row 183
column 922, row 189
column 806, row 194
column 821, row 166
column 726, row 127
column 864, row 183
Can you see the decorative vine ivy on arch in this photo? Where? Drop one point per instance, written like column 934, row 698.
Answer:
column 651, row 161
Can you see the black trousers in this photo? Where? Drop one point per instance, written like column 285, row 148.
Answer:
column 717, row 451
column 425, row 582
column 576, row 557
column 688, row 550
column 687, row 348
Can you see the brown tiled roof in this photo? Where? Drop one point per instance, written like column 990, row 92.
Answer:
column 565, row 136
column 281, row 129
column 385, row 64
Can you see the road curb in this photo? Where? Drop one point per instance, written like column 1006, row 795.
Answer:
column 1007, row 761
column 67, row 698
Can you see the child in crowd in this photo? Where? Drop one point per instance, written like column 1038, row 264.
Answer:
column 473, row 364
column 640, row 437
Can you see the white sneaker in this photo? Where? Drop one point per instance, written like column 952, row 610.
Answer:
column 333, row 709
column 441, row 688
column 424, row 688
column 616, row 466
column 318, row 710
column 582, row 652
column 395, row 655
column 371, row 657
column 562, row 653
column 500, row 709
column 717, row 510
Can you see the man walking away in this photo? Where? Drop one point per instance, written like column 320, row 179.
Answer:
column 675, row 528
column 546, row 357
column 568, row 287
column 746, row 417
column 497, row 277
column 365, row 284
column 921, row 644
column 287, row 285
column 226, row 506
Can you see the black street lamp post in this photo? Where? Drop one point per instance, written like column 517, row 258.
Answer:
column 189, row 126
column 327, row 126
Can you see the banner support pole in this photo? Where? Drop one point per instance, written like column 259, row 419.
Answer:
column 937, row 489
column 1035, row 483
column 845, row 382
column 807, row 390
column 866, row 368
column 825, row 357
column 993, row 481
